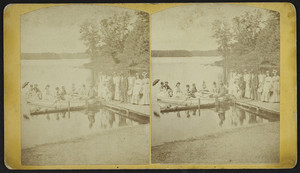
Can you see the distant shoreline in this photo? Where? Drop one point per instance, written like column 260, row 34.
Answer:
column 53, row 56
column 183, row 53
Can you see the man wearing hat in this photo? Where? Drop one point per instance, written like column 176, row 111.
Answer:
column 253, row 85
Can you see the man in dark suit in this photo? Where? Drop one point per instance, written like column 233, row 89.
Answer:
column 253, row 85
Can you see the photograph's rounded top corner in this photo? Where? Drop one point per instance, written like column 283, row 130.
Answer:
column 8, row 7
column 291, row 7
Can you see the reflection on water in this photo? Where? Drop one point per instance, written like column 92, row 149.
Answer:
column 182, row 125
column 50, row 128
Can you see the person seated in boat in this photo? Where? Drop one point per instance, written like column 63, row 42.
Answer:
column 194, row 89
column 30, row 92
column 221, row 90
column 204, row 87
column 48, row 95
column 162, row 91
column 214, row 89
column 83, row 91
column 168, row 89
column 37, row 91
column 63, row 93
column 73, row 88
column 188, row 92
column 57, row 94
column 178, row 92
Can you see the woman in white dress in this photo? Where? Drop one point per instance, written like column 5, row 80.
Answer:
column 131, row 81
column 247, row 81
column 117, row 81
column 261, row 81
column 266, row 89
column 146, row 90
column 275, row 98
column 136, row 90
column 48, row 95
column 178, row 93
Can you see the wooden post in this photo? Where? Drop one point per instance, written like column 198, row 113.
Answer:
column 199, row 105
column 69, row 109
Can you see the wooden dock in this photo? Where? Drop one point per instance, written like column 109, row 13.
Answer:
column 136, row 112
column 135, row 109
column 259, row 107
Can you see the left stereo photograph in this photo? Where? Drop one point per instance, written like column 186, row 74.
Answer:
column 85, row 87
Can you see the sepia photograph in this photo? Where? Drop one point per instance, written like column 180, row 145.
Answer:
column 85, row 87
column 215, row 94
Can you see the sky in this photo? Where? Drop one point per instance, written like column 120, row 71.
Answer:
column 56, row 29
column 189, row 27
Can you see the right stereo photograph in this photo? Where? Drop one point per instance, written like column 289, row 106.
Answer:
column 215, row 85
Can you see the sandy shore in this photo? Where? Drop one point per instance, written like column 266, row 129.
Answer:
column 128, row 145
column 255, row 144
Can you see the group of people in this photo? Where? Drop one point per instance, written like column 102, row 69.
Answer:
column 118, row 87
column 134, row 89
column 190, row 91
column 259, row 86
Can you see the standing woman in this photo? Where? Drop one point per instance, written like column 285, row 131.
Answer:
column 261, row 81
column 146, row 90
column 136, row 89
column 247, row 78
column 276, row 87
column 131, row 81
column 266, row 89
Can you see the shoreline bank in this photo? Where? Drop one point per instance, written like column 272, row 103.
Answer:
column 253, row 144
column 121, row 146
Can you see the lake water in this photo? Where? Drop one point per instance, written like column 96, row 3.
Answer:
column 43, row 129
column 183, row 125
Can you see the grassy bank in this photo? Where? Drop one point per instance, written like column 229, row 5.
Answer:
column 129, row 145
column 255, row 144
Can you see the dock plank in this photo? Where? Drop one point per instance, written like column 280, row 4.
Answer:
column 138, row 109
column 271, row 107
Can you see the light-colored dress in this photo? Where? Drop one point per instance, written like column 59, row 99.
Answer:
column 178, row 93
column 275, row 98
column 266, row 89
column 48, row 95
column 247, row 89
column 117, row 81
column 146, row 92
column 131, row 81
column 136, row 91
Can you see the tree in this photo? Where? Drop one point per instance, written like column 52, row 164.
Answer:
column 90, row 35
column 114, row 31
column 268, row 41
column 223, row 36
column 137, row 44
column 246, row 29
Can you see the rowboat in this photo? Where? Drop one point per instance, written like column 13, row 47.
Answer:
column 52, row 106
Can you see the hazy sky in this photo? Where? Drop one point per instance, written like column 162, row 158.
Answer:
column 189, row 27
column 56, row 29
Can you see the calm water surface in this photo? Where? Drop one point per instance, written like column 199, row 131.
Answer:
column 182, row 125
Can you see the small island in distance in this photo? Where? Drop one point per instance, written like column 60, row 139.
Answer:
column 183, row 53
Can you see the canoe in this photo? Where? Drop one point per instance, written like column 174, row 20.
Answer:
column 53, row 104
column 187, row 101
